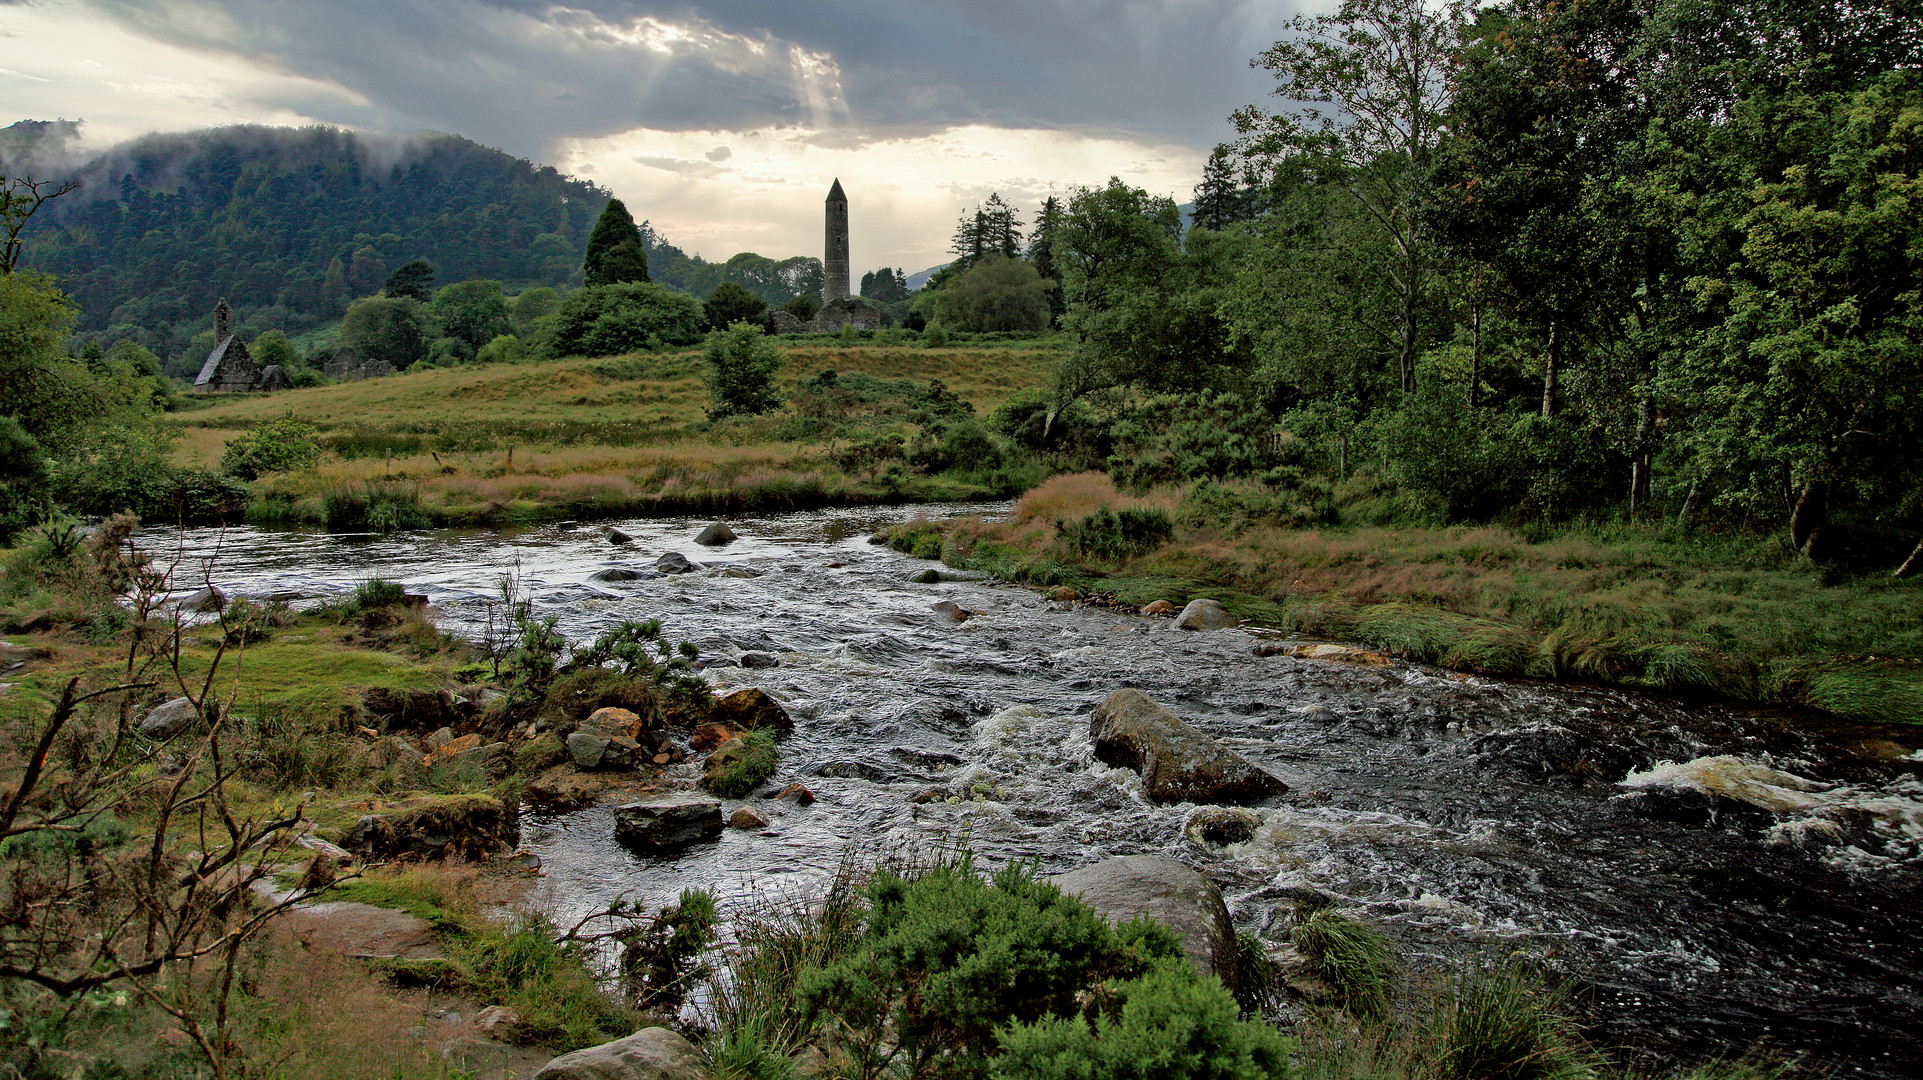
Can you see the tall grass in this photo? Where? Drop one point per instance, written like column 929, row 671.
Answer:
column 1358, row 962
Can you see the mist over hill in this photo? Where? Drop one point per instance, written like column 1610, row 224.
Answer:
column 290, row 225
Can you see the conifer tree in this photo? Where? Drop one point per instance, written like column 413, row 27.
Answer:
column 1219, row 200
column 615, row 251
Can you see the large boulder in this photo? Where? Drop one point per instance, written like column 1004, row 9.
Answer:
column 170, row 719
column 1168, row 892
column 1177, row 762
column 667, row 823
column 715, row 535
column 655, row 1053
column 745, row 710
column 1204, row 614
column 431, row 826
column 673, row 562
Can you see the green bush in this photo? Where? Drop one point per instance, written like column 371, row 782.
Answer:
column 964, row 446
column 741, row 367
column 603, row 320
column 947, row 962
column 373, row 507
column 1117, row 534
column 746, row 772
column 1176, row 438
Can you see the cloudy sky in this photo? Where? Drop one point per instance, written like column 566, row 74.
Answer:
column 722, row 122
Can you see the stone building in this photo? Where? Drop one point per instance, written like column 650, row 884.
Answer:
column 229, row 369
column 834, row 257
column 347, row 366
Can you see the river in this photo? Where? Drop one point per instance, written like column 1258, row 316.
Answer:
column 1464, row 815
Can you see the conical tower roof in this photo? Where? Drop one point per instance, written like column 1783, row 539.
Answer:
column 834, row 193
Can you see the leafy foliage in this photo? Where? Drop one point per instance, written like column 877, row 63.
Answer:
column 1117, row 534
column 603, row 320
column 741, row 366
column 283, row 444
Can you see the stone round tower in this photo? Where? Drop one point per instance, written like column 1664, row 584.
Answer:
column 834, row 259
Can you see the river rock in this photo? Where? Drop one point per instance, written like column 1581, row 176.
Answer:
column 709, row 736
column 619, row 573
column 1169, row 892
column 170, row 719
column 666, row 823
column 1158, row 607
column 1323, row 650
column 1204, row 614
column 207, row 601
column 745, row 710
column 760, row 660
column 933, row 576
column 1220, row 826
column 503, row 1023
column 613, row 721
column 432, row 826
column 748, row 818
column 655, row 1053
column 616, row 536
column 953, row 610
column 1177, row 762
column 673, row 562
column 1062, row 594
column 796, row 794
column 716, row 535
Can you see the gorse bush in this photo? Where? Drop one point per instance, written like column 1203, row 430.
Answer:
column 1117, row 534
column 957, row 975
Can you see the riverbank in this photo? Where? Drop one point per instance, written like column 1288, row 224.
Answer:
column 1733, row 616
column 627, row 436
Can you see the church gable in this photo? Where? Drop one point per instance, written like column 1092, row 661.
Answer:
column 229, row 368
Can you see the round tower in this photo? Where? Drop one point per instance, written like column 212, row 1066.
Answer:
column 834, row 259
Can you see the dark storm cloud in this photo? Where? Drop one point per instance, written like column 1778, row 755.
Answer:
column 522, row 73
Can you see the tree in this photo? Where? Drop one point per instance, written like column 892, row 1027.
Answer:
column 885, row 286
column 992, row 228
column 1219, row 199
column 741, row 367
column 1384, row 65
column 996, row 294
column 802, row 306
column 473, row 311
column 615, row 252
column 388, row 330
column 730, row 303
column 20, row 198
column 531, row 306
column 413, row 281
column 603, row 320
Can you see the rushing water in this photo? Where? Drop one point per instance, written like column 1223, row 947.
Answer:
column 1465, row 815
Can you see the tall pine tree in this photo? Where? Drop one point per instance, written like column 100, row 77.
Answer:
column 1219, row 200
column 615, row 251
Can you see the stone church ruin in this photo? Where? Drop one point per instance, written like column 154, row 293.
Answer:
column 838, row 309
column 229, row 368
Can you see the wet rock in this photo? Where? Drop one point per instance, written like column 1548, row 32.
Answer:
column 1177, row 762
column 616, row 536
column 587, row 749
column 1222, row 826
column 207, row 601
column 925, row 577
column 935, row 576
column 728, row 753
column 1545, row 750
column 1062, row 594
column 715, row 535
column 760, row 660
column 655, row 1053
column 673, row 562
column 1158, row 607
column 433, row 826
column 503, row 1023
column 851, row 769
column 1679, row 806
column 667, row 823
column 1322, row 650
column 741, row 572
column 619, row 573
column 525, row 862
column 877, row 539
column 1169, row 892
column 170, row 719
column 1881, row 750
column 745, row 710
column 1204, row 614
column 709, row 736
column 797, row 794
column 747, row 818
column 953, row 610
column 612, row 721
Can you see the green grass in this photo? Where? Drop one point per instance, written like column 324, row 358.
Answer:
column 1358, row 962
column 746, row 772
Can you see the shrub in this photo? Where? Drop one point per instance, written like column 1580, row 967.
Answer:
column 741, row 367
column 964, row 446
column 1117, row 534
column 504, row 349
column 756, row 763
column 284, row 444
column 1170, row 439
column 1357, row 960
column 373, row 508
column 602, row 320
column 661, row 956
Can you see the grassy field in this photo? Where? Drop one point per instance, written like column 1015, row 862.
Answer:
column 1733, row 615
column 608, row 436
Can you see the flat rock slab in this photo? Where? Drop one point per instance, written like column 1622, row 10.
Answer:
column 1177, row 762
column 667, row 823
column 654, row 1053
column 362, row 931
column 1169, row 892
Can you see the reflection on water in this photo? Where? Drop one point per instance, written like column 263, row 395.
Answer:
column 1463, row 814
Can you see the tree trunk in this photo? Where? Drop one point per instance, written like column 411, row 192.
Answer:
column 1689, row 505
column 1639, row 470
column 1912, row 565
column 1811, row 514
column 1475, row 351
column 1550, row 364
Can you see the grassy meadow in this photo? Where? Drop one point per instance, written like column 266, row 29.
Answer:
column 609, row 436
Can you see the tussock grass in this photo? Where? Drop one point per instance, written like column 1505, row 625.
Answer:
column 1358, row 961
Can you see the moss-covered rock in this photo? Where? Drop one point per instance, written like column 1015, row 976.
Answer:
column 434, row 826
